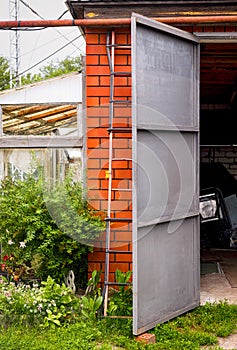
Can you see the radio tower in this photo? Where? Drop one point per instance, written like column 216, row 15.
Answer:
column 14, row 45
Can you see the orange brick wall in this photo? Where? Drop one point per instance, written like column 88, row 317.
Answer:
column 97, row 102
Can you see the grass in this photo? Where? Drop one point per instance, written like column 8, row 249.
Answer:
column 201, row 327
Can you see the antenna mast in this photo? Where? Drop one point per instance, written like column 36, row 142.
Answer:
column 14, row 45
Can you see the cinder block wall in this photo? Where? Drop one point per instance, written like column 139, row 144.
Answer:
column 97, row 103
column 225, row 155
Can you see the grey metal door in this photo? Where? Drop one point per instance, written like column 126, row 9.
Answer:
column 165, row 63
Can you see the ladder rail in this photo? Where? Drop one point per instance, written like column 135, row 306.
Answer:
column 110, row 50
column 110, row 55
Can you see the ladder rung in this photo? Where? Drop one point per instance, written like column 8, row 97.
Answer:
column 126, row 74
column 122, row 130
column 124, row 46
column 117, row 284
column 121, row 101
column 118, row 219
column 122, row 189
column 119, row 251
column 122, row 158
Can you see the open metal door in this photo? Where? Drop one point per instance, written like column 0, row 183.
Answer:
column 165, row 63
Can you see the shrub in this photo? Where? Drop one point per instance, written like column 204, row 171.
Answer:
column 49, row 304
column 46, row 229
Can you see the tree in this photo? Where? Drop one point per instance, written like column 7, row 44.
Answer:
column 53, row 69
column 4, row 73
column 61, row 67
column 30, row 78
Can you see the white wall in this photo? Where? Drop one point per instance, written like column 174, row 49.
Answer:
column 63, row 89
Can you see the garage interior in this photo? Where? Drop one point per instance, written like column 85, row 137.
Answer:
column 218, row 158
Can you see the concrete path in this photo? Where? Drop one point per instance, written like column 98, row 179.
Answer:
column 215, row 287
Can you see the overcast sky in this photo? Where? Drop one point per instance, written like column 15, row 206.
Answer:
column 36, row 46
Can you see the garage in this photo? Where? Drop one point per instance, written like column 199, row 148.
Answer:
column 182, row 82
column 218, row 153
column 217, row 131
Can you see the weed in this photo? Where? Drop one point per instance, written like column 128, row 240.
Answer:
column 120, row 303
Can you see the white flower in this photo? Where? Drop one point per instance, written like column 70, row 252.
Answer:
column 40, row 307
column 10, row 242
column 22, row 245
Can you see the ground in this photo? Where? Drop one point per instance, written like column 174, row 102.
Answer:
column 216, row 287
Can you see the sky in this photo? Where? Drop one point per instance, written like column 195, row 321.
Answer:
column 36, row 46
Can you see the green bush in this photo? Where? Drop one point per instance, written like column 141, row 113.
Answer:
column 46, row 230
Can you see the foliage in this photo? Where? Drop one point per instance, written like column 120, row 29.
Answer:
column 43, row 228
column 219, row 318
column 120, row 300
column 92, row 300
column 54, row 69
column 50, row 70
column 4, row 73
column 90, row 306
column 75, row 336
column 49, row 304
column 30, row 78
column 185, row 332
column 92, row 284
column 197, row 328
column 120, row 303
column 93, row 294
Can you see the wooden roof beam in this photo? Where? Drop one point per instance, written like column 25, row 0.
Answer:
column 30, row 142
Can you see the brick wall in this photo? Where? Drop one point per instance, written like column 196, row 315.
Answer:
column 97, row 102
column 225, row 155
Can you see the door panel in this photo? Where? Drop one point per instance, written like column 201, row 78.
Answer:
column 167, row 286
column 170, row 186
column 175, row 62
column 165, row 63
